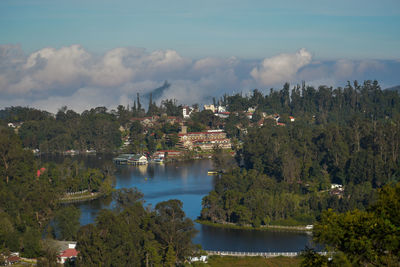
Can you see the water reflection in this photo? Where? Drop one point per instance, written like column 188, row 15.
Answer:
column 189, row 182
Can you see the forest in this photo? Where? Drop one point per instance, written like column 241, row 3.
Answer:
column 97, row 129
column 31, row 214
column 144, row 237
column 348, row 137
column 360, row 238
column 283, row 175
column 29, row 196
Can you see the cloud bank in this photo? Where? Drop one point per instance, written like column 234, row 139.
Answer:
column 72, row 76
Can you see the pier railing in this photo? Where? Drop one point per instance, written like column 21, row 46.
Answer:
column 255, row 254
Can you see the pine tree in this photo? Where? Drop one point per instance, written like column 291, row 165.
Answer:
column 170, row 257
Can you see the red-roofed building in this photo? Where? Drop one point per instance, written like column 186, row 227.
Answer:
column 69, row 253
column 12, row 260
column 204, row 140
column 167, row 153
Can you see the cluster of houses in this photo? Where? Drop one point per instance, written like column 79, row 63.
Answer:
column 207, row 140
column 138, row 159
column 154, row 120
column 220, row 111
column 199, row 141
column 66, row 252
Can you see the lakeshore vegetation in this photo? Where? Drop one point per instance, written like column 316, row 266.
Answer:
column 283, row 175
column 30, row 192
column 347, row 136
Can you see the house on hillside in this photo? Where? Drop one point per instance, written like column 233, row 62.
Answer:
column 68, row 254
column 222, row 115
column 186, row 112
column 210, row 107
column 13, row 259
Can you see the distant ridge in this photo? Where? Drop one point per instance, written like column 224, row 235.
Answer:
column 394, row 88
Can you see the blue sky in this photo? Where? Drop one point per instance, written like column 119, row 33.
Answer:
column 246, row 29
column 91, row 53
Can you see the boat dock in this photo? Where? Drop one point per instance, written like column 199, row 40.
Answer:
column 123, row 158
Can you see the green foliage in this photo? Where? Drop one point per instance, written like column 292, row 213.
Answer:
column 203, row 119
column 95, row 129
column 67, row 221
column 365, row 237
column 31, row 243
column 49, row 255
column 143, row 237
column 288, row 170
column 170, row 258
column 222, row 159
column 313, row 259
column 29, row 201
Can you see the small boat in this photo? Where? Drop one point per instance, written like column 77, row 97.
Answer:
column 213, row 172
column 158, row 160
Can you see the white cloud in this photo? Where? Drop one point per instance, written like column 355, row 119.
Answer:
column 71, row 76
column 368, row 65
column 51, row 67
column 344, row 68
column 82, row 99
column 111, row 71
column 281, row 68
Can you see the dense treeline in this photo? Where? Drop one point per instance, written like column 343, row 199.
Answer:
column 361, row 238
column 132, row 235
column 30, row 192
column 326, row 103
column 95, row 129
column 287, row 171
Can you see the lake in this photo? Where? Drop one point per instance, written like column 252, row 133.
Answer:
column 189, row 182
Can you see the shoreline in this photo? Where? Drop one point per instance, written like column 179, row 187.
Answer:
column 80, row 197
column 261, row 228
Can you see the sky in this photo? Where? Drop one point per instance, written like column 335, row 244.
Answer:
column 90, row 53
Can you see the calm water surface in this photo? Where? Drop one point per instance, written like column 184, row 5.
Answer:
column 189, row 182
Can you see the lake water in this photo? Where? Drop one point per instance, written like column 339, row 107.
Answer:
column 188, row 182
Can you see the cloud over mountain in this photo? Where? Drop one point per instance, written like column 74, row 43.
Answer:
column 50, row 78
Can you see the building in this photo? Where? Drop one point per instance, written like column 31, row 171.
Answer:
column 186, row 111
column 68, row 254
column 221, row 109
column 13, row 259
column 210, row 107
column 204, row 140
column 161, row 154
column 222, row 115
column 251, row 110
column 138, row 160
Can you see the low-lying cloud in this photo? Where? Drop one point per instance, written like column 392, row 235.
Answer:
column 280, row 68
column 72, row 76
